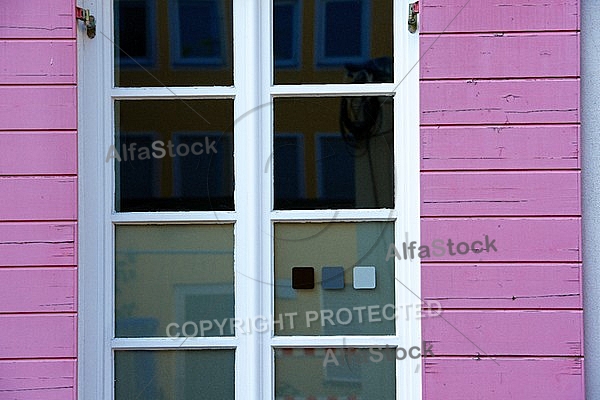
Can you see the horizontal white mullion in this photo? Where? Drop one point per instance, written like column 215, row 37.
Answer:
column 334, row 215
column 371, row 89
column 174, row 343
column 338, row 341
column 200, row 217
column 158, row 93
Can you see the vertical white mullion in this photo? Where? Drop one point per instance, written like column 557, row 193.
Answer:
column 247, row 192
column 267, row 289
column 108, row 138
column 91, row 343
column 94, row 279
column 407, row 193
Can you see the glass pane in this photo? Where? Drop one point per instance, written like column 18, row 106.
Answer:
column 174, row 280
column 174, row 375
column 332, row 41
column 334, row 279
column 173, row 43
column 172, row 155
column 334, row 152
column 340, row 373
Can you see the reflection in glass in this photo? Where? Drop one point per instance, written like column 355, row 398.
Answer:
column 175, row 375
column 173, row 43
column 328, row 41
column 136, row 41
column 173, row 274
column 286, row 33
column 335, row 373
column 334, row 244
column 198, row 34
column 345, row 33
column 172, row 155
column 337, row 152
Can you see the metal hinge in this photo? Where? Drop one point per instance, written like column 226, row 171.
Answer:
column 84, row 15
column 413, row 12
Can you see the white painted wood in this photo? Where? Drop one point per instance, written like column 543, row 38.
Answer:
column 335, row 89
column 266, row 293
column 407, row 192
column 166, row 93
column 248, row 188
column 175, row 343
column 590, row 179
column 93, row 371
column 333, row 215
column 207, row 217
column 339, row 341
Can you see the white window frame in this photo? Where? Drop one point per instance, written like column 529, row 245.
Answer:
column 253, row 217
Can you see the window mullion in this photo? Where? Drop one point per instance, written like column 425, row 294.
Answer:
column 247, row 192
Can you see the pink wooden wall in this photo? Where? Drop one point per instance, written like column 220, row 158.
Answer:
column 38, row 200
column 500, row 156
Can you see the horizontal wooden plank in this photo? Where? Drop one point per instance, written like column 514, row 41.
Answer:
column 38, row 198
column 502, row 285
column 41, row 107
column 512, row 332
column 484, row 56
column 37, row 62
column 37, row 19
column 38, row 290
column 500, row 193
column 38, row 380
column 499, row 102
column 516, row 239
column 498, row 15
column 38, row 336
column 503, row 379
column 38, row 153
column 499, row 147
column 37, row 243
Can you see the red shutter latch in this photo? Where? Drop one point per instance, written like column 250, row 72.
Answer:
column 413, row 12
column 84, row 15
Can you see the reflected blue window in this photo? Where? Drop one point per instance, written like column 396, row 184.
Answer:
column 198, row 32
column 286, row 33
column 139, row 177
column 135, row 41
column 343, row 31
column 289, row 152
column 203, row 175
column 335, row 168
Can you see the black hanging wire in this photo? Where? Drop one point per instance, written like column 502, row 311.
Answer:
column 360, row 115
